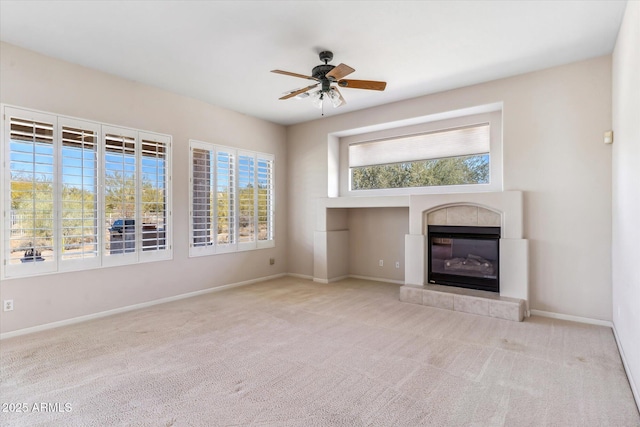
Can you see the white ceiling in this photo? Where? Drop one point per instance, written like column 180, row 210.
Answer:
column 221, row 52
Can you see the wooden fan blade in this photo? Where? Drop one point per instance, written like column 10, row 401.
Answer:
column 340, row 71
column 340, row 95
column 363, row 84
column 298, row 92
column 287, row 73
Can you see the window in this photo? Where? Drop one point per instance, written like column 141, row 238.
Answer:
column 77, row 191
column 231, row 198
column 454, row 155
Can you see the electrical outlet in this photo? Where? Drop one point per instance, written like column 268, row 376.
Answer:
column 397, row 264
column 381, row 263
column 8, row 305
column 272, row 261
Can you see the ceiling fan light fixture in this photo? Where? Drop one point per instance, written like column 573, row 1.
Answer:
column 317, row 98
column 335, row 98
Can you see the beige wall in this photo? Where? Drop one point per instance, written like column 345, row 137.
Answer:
column 34, row 81
column 626, row 192
column 369, row 243
column 553, row 124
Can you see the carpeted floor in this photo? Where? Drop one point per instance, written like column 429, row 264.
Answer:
column 290, row 352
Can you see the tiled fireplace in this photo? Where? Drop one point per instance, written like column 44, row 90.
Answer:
column 466, row 216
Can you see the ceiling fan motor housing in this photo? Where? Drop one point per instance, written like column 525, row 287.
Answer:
column 320, row 71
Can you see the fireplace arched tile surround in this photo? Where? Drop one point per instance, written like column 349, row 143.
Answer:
column 504, row 209
column 467, row 215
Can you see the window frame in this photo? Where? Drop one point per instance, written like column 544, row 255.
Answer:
column 494, row 118
column 236, row 245
column 101, row 260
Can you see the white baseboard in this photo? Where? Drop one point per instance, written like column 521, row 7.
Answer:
column 632, row 384
column 300, row 276
column 572, row 318
column 106, row 313
column 377, row 279
column 325, row 281
column 354, row 276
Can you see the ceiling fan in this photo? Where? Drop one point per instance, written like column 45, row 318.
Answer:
column 328, row 78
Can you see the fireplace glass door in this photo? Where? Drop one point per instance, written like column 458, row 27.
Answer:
column 465, row 257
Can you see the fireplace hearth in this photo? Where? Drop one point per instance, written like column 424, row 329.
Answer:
column 464, row 256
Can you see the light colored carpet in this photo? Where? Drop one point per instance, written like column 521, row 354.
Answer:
column 290, row 352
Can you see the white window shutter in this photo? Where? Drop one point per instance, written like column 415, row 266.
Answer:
column 154, row 182
column 78, row 204
column 30, row 236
